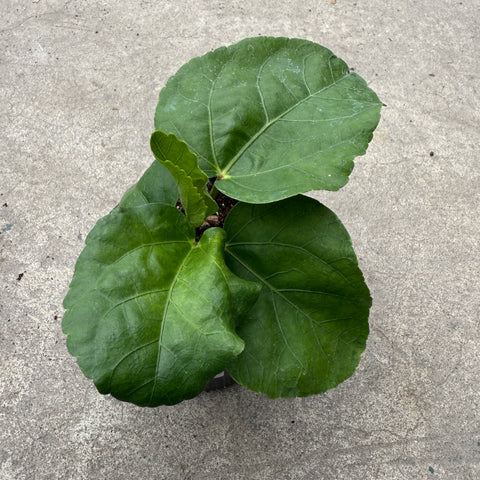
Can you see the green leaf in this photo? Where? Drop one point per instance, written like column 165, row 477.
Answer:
column 309, row 326
column 155, row 186
column 270, row 117
column 150, row 314
column 191, row 181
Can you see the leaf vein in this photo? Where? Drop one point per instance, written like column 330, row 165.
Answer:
column 273, row 289
column 296, row 247
column 162, row 327
column 273, row 121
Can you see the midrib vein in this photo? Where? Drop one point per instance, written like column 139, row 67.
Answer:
column 269, row 285
column 162, row 327
column 267, row 125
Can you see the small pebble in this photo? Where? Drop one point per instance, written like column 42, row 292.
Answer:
column 213, row 220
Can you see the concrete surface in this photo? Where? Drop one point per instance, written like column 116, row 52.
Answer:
column 78, row 88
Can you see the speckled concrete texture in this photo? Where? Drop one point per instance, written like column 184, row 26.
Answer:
column 78, row 87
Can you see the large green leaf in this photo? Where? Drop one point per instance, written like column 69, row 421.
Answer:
column 270, row 117
column 155, row 186
column 192, row 182
column 309, row 325
column 150, row 313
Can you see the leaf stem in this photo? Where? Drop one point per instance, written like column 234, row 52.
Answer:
column 214, row 192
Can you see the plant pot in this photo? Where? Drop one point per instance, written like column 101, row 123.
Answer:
column 219, row 381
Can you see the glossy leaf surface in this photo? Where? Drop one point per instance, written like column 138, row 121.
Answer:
column 149, row 312
column 309, row 325
column 182, row 164
column 270, row 117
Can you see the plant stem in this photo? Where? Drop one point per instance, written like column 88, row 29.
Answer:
column 214, row 192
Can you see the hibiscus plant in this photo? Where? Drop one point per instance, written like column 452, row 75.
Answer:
column 215, row 260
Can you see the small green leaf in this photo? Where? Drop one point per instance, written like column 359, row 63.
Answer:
column 309, row 325
column 191, row 181
column 155, row 186
column 150, row 314
column 270, row 117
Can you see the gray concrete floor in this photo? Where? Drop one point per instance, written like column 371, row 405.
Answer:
column 78, row 88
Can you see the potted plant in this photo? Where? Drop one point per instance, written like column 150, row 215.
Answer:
column 214, row 260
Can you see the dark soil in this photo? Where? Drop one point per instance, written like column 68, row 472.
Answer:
column 225, row 204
